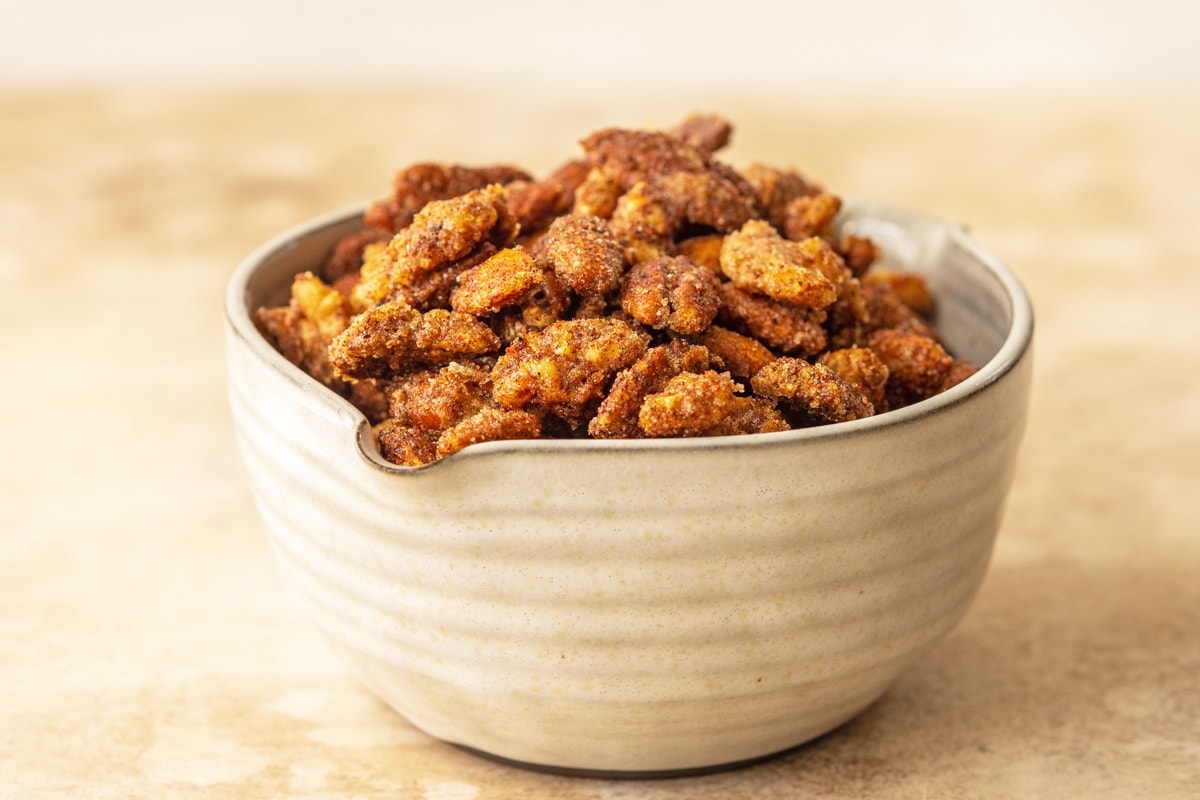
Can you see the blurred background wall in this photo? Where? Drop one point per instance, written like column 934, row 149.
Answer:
column 556, row 46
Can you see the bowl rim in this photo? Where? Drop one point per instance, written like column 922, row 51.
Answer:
column 1016, row 344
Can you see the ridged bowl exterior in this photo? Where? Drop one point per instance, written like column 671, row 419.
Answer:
column 641, row 605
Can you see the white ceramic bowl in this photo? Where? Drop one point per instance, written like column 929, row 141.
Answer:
column 641, row 606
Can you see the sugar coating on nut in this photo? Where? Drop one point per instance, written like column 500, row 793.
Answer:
column 689, row 405
column 674, row 293
column 504, row 279
column 393, row 337
column 617, row 415
column 565, row 368
column 584, row 254
column 812, row 390
column 758, row 259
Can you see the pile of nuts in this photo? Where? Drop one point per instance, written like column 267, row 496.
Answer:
column 644, row 290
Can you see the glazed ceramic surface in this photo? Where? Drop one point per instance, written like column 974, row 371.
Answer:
column 641, row 605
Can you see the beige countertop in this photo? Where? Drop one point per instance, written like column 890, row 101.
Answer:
column 149, row 650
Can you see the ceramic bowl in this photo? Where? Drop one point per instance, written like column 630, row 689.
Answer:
column 641, row 606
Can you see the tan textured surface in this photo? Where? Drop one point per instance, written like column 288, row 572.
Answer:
column 147, row 648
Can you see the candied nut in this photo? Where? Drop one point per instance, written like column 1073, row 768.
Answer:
column 534, row 204
column 393, row 337
column 858, row 253
column 757, row 259
column 302, row 332
column 751, row 415
column 917, row 365
column 595, row 305
column 741, row 356
column 368, row 397
column 708, row 132
column 787, row 328
column 347, row 255
column 885, row 310
column 644, row 223
column 447, row 230
column 546, row 303
column 568, row 178
column 632, row 156
column 435, row 400
column 848, row 320
column 302, row 329
column 707, row 199
column 703, row 190
column 909, row 288
column 328, row 309
column 565, row 368
column 416, row 186
column 300, row 341
column 421, row 263
column 584, row 253
column 812, row 390
column 810, row 215
column 434, row 289
column 617, row 416
column 503, row 280
column 374, row 278
column 961, row 370
column 597, row 195
column 862, row 369
column 346, row 286
column 406, row 445
column 704, row 250
column 382, row 279
column 297, row 338
column 689, row 405
column 673, row 293
column 774, row 189
column 508, row 324
column 489, row 424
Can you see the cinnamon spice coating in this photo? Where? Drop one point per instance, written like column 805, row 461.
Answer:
column 785, row 328
column 437, row 399
column 917, row 365
column 489, row 424
column 416, row 186
column 617, row 415
column 644, row 222
column 701, row 189
column 644, row 289
column 689, row 405
column 302, row 331
column 708, row 132
column 673, row 293
column 447, row 230
column 775, row 189
column 393, row 337
column 863, row 370
column 810, row 215
column 908, row 287
column 739, row 355
column 565, row 368
column 584, row 254
column 502, row 280
column 406, row 445
column 813, row 391
column 756, row 258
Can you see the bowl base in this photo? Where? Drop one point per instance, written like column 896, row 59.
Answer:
column 632, row 775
